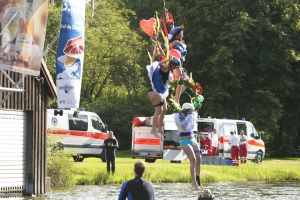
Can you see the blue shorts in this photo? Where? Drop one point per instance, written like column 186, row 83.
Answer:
column 185, row 141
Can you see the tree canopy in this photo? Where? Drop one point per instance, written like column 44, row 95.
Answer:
column 244, row 54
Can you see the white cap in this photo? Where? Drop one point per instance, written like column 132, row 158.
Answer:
column 188, row 106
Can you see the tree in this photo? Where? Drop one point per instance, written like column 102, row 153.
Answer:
column 245, row 55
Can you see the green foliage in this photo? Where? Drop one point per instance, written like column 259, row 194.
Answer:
column 244, row 54
column 59, row 167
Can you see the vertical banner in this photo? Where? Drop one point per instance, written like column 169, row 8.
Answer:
column 69, row 57
column 22, row 35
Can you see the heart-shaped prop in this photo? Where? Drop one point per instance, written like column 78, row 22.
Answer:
column 148, row 25
column 175, row 53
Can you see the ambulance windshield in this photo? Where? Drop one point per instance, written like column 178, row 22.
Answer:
column 97, row 123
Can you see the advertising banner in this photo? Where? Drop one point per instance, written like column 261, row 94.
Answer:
column 22, row 33
column 69, row 57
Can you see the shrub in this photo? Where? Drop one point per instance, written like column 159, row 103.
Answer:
column 59, row 166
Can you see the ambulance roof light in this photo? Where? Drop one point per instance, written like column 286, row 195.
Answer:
column 243, row 119
column 81, row 109
column 224, row 117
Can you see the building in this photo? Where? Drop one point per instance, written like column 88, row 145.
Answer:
column 23, row 116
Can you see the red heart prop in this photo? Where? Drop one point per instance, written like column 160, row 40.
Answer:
column 175, row 53
column 147, row 25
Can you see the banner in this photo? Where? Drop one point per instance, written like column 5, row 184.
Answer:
column 69, row 57
column 22, row 33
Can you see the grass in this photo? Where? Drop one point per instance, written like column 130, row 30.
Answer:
column 92, row 171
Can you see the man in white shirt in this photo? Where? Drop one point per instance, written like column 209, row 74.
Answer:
column 235, row 148
column 214, row 143
column 243, row 147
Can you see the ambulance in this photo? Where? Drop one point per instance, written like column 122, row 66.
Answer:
column 80, row 131
column 146, row 145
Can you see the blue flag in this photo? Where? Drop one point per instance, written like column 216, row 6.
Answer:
column 70, row 53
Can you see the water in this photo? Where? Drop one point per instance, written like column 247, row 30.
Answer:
column 277, row 190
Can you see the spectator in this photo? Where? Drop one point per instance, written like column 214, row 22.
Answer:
column 207, row 195
column 214, row 143
column 110, row 144
column 243, row 147
column 137, row 188
column 235, row 149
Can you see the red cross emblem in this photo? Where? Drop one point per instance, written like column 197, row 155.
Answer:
column 54, row 121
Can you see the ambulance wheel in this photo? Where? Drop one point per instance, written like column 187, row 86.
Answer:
column 258, row 158
column 78, row 158
column 150, row 160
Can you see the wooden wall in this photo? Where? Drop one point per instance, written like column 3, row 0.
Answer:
column 34, row 101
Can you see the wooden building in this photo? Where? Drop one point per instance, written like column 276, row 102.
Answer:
column 23, row 121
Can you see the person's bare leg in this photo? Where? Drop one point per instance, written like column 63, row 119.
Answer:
column 188, row 150
column 161, row 117
column 177, row 94
column 198, row 163
column 155, row 99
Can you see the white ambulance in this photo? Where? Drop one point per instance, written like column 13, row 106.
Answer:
column 81, row 131
column 145, row 145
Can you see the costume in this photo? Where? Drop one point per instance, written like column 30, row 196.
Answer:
column 214, row 144
column 110, row 153
column 137, row 189
column 243, row 149
column 159, row 79
column 180, row 47
column 185, row 127
column 235, row 149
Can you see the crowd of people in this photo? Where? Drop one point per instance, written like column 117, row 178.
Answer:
column 238, row 143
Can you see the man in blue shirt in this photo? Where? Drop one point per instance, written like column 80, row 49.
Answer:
column 137, row 188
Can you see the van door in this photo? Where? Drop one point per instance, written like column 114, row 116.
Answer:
column 204, row 127
column 253, row 142
column 97, row 135
column 225, row 129
column 79, row 139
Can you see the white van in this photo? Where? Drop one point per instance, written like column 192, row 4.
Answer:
column 256, row 146
column 81, row 131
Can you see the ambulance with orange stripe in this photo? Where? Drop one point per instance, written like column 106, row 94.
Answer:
column 81, row 131
column 256, row 146
column 146, row 145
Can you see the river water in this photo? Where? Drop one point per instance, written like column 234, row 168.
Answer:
column 277, row 190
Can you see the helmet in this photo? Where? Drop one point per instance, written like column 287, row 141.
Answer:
column 188, row 106
column 175, row 61
column 176, row 30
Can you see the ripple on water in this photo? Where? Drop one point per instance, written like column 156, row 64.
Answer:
column 277, row 190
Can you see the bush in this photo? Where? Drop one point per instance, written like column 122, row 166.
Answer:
column 59, row 166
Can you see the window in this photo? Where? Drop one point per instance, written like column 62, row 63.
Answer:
column 227, row 128
column 79, row 123
column 252, row 132
column 97, row 123
column 205, row 126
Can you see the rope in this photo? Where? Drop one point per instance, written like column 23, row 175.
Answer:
column 165, row 8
